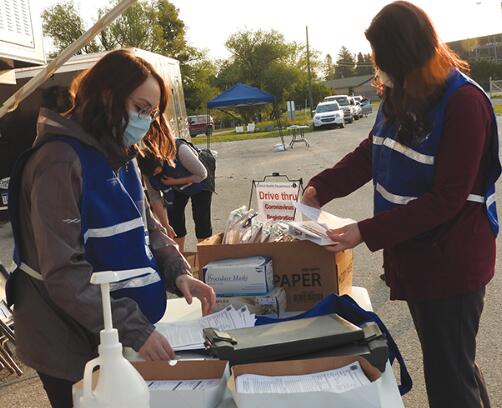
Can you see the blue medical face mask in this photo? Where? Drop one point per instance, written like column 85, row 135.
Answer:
column 136, row 128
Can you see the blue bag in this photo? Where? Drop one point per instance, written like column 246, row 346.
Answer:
column 347, row 308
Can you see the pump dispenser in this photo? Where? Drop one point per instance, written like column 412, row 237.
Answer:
column 119, row 384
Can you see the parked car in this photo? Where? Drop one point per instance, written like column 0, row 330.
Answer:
column 200, row 124
column 4, row 198
column 366, row 107
column 344, row 102
column 328, row 114
column 358, row 112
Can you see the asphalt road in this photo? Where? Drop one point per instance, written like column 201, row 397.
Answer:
column 241, row 162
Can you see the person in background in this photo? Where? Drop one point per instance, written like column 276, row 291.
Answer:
column 77, row 207
column 433, row 158
column 186, row 180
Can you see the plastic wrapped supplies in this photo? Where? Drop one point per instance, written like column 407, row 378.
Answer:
column 243, row 227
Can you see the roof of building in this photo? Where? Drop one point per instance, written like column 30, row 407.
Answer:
column 349, row 82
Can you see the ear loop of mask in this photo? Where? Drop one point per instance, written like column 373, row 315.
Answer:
column 384, row 78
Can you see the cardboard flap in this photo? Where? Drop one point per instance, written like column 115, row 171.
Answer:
column 214, row 240
column 300, row 367
column 182, row 370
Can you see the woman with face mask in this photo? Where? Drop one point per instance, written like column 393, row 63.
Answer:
column 77, row 208
column 432, row 156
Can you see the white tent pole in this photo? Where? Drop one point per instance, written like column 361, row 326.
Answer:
column 28, row 88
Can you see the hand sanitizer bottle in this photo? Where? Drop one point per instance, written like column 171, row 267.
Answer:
column 119, row 385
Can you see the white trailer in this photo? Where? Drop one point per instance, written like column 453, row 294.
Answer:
column 21, row 42
column 18, row 128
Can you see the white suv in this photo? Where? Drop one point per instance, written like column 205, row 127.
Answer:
column 344, row 102
column 328, row 114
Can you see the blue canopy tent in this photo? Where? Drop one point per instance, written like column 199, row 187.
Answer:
column 240, row 95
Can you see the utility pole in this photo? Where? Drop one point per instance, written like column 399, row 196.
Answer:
column 309, row 75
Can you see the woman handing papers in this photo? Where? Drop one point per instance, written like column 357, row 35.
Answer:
column 432, row 156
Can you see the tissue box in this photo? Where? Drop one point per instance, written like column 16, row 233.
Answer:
column 244, row 276
column 273, row 303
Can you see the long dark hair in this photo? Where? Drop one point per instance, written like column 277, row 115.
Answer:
column 99, row 98
column 406, row 47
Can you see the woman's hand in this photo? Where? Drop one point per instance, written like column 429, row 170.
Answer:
column 191, row 287
column 345, row 238
column 171, row 181
column 310, row 197
column 168, row 181
column 156, row 347
column 170, row 231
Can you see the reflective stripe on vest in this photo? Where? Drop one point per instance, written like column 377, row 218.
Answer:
column 147, row 279
column 402, row 200
column 113, row 229
column 402, row 173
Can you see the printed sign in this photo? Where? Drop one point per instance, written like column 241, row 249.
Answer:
column 275, row 200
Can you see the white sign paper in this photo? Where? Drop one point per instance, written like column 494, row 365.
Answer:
column 275, row 200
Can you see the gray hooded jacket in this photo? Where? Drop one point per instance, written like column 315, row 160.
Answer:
column 58, row 319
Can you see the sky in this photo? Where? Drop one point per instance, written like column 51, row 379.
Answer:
column 331, row 23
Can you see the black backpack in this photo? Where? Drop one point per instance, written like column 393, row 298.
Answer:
column 207, row 159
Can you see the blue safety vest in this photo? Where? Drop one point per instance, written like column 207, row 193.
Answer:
column 178, row 171
column 402, row 173
column 113, row 230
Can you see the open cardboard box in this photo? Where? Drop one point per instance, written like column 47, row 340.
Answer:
column 183, row 370
column 306, row 271
column 191, row 257
column 363, row 397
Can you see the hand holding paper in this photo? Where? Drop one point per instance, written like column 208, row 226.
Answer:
column 321, row 222
column 310, row 197
column 346, row 237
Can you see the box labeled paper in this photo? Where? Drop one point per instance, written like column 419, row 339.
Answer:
column 243, row 276
column 206, row 392
column 365, row 396
column 272, row 303
column 306, row 271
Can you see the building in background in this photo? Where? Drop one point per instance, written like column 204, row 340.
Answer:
column 487, row 48
column 356, row 85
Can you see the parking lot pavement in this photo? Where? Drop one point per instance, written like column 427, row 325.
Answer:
column 239, row 163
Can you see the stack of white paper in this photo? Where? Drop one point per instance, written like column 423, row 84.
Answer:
column 338, row 380
column 188, row 335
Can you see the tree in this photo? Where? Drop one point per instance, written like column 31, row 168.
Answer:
column 345, row 64
column 264, row 59
column 255, row 51
column 198, row 80
column 363, row 64
column 152, row 25
column 63, row 24
column 328, row 68
column 481, row 71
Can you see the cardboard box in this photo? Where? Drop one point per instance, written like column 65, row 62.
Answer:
column 367, row 396
column 239, row 277
column 306, row 271
column 191, row 257
column 183, row 370
column 273, row 303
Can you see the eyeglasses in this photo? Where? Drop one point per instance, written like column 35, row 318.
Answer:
column 143, row 113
